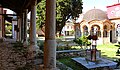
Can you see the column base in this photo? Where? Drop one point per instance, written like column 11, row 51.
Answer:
column 50, row 69
column 33, row 47
column 25, row 44
column 41, row 67
column 33, row 51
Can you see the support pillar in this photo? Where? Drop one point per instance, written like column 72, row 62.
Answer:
column 108, row 36
column 3, row 26
column 50, row 42
column 19, row 29
column 89, row 31
column 1, row 21
column 33, row 42
column 114, row 35
column 14, row 32
column 25, row 27
column 22, row 27
column 102, row 36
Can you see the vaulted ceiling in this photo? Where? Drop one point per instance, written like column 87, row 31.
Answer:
column 17, row 6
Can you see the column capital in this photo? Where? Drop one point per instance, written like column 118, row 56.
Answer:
column 20, row 15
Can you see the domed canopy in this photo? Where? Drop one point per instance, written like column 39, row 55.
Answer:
column 95, row 14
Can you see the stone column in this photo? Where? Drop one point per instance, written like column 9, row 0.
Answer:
column 33, row 42
column 102, row 36
column 3, row 27
column 1, row 21
column 50, row 42
column 19, row 28
column 15, row 33
column 3, row 24
column 25, row 27
column 14, row 23
column 89, row 30
column 108, row 36
column 22, row 27
column 13, row 30
column 113, row 35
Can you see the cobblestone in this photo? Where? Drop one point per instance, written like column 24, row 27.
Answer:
column 10, row 59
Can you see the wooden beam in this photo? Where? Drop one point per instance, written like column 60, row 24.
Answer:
column 9, row 14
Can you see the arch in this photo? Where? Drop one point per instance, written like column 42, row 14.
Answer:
column 105, row 26
column 85, row 30
column 105, row 31
column 95, row 30
column 9, row 11
column 111, row 27
column 96, row 23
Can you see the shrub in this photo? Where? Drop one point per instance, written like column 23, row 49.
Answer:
column 82, row 41
column 40, row 43
column 17, row 44
column 64, row 48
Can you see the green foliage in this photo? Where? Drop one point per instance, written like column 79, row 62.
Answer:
column 118, row 50
column 82, row 41
column 64, row 10
column 17, row 44
column 40, row 43
column 78, row 41
column 8, row 28
column 60, row 48
column 41, row 14
column 64, row 48
column 68, row 62
column 108, row 50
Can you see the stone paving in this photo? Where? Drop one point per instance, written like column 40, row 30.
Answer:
column 10, row 59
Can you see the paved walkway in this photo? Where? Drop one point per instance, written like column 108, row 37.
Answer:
column 10, row 59
column 13, row 60
column 101, row 63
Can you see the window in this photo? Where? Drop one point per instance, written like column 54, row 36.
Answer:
column 116, row 33
column 67, row 27
column 85, row 28
column 105, row 31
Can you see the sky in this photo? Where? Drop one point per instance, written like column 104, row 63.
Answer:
column 98, row 4
column 90, row 4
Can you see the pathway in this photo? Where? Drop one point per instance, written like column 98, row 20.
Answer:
column 10, row 59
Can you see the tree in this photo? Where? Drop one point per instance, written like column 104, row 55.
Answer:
column 41, row 14
column 8, row 27
column 64, row 10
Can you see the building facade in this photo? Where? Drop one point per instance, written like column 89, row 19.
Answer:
column 113, row 12
column 68, row 29
column 96, row 22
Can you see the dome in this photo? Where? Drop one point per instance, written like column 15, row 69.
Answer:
column 95, row 14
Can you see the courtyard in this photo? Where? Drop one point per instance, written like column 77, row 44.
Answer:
column 72, row 38
column 14, row 57
column 106, row 53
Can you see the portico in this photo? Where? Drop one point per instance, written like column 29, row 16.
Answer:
column 96, row 20
column 21, row 8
